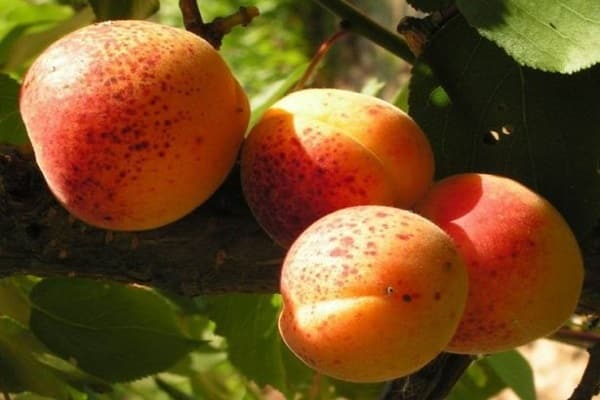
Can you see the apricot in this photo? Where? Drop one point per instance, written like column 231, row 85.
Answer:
column 133, row 124
column 371, row 293
column 524, row 263
column 319, row 150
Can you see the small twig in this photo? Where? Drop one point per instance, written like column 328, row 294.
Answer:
column 571, row 336
column 6, row 395
column 356, row 21
column 192, row 18
column 213, row 32
column 318, row 57
column 589, row 386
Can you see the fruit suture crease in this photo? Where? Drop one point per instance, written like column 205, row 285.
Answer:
column 385, row 268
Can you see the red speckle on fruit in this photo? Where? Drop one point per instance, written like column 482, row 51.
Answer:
column 338, row 252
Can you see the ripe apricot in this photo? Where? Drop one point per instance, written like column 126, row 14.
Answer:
column 133, row 124
column 371, row 293
column 524, row 263
column 319, row 150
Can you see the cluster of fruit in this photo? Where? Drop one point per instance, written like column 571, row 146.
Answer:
column 386, row 268
column 373, row 291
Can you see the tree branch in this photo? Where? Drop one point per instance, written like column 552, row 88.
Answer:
column 214, row 31
column 358, row 22
column 218, row 248
column 590, row 381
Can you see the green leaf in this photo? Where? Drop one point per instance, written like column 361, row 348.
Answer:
column 22, row 14
column 115, row 332
column 372, row 87
column 479, row 382
column 400, row 99
column 273, row 92
column 249, row 323
column 14, row 298
column 124, row 9
column 71, row 374
column 20, row 18
column 551, row 35
column 514, row 370
column 483, row 112
column 357, row 391
column 12, row 129
column 19, row 368
column 20, row 48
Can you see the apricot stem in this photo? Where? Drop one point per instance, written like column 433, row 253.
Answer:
column 318, row 57
column 192, row 18
column 214, row 31
column 356, row 21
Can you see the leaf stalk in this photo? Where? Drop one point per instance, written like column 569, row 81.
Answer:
column 356, row 21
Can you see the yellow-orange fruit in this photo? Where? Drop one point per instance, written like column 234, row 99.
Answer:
column 133, row 124
column 371, row 293
column 524, row 263
column 319, row 150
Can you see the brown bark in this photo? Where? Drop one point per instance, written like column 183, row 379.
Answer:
column 218, row 248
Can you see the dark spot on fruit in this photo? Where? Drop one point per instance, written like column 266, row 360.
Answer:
column 407, row 298
column 139, row 146
column 404, row 236
column 437, row 295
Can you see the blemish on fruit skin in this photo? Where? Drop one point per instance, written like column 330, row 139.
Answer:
column 407, row 298
column 404, row 236
column 338, row 252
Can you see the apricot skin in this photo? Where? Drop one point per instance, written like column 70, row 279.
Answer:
column 133, row 124
column 319, row 150
column 371, row 293
column 524, row 263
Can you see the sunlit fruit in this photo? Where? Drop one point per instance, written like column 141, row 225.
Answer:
column 133, row 124
column 319, row 150
column 371, row 293
column 524, row 263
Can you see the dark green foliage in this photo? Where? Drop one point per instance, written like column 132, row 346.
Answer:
column 12, row 129
column 500, row 117
column 115, row 332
